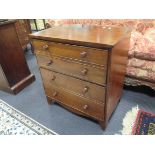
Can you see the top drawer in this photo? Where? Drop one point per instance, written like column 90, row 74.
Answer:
column 85, row 54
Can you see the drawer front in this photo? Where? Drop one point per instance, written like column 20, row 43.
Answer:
column 87, row 55
column 82, row 88
column 82, row 71
column 83, row 105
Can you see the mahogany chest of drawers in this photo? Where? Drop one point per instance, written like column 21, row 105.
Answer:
column 83, row 67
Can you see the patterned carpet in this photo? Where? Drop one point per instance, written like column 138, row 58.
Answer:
column 13, row 122
column 138, row 122
column 144, row 124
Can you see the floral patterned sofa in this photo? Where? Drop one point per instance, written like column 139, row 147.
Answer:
column 141, row 63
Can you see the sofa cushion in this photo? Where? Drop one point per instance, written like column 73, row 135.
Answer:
column 142, row 64
column 140, row 73
column 143, row 46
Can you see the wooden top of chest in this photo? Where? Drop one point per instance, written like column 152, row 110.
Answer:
column 84, row 35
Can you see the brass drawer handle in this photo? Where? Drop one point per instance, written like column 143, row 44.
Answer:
column 53, row 77
column 49, row 63
column 83, row 54
column 45, row 47
column 55, row 94
column 85, row 90
column 84, row 71
column 85, row 107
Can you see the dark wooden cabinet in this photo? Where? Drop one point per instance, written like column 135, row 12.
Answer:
column 14, row 72
column 83, row 67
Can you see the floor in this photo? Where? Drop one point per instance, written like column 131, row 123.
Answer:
column 32, row 102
